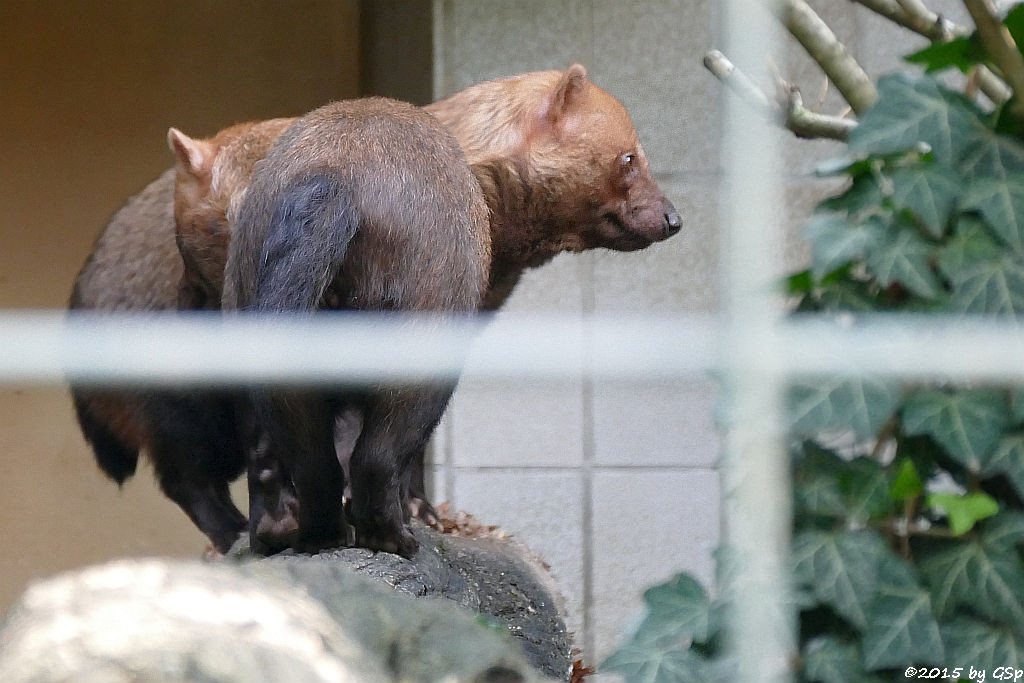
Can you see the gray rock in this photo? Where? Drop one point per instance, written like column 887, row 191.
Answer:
column 467, row 609
column 495, row 577
column 155, row 620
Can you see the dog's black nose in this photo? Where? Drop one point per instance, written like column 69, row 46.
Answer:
column 673, row 223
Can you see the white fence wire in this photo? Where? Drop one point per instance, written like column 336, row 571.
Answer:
column 186, row 349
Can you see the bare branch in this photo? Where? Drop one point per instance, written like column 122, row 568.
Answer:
column 831, row 55
column 798, row 119
column 808, row 124
column 853, row 83
column 737, row 81
column 1000, row 46
column 993, row 86
column 938, row 28
column 915, row 16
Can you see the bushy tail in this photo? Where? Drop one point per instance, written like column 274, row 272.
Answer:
column 311, row 225
column 116, row 458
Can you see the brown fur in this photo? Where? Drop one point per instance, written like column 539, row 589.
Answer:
column 135, row 264
column 549, row 149
column 370, row 204
column 125, row 272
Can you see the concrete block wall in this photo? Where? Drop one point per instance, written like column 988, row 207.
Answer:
column 616, row 483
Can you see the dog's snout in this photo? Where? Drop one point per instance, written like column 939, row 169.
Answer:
column 673, row 223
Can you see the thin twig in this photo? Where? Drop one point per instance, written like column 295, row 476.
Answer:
column 1000, row 46
column 916, row 17
column 808, row 124
column 831, row 55
column 737, row 81
column 916, row 11
column 823, row 95
column 795, row 117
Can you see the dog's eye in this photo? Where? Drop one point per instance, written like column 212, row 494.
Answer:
column 629, row 168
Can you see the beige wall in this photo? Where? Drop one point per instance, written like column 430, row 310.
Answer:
column 87, row 92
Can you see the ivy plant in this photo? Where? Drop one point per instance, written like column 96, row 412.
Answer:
column 908, row 537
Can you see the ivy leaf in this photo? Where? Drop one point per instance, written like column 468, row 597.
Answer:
column 676, row 611
column 1008, row 459
column 835, row 241
column 641, row 664
column 983, row 573
column 913, row 109
column 853, row 490
column 982, row 645
column 1014, row 23
column 908, row 482
column 971, row 241
column 817, row 488
column 841, row 567
column 865, row 485
column 965, row 52
column 901, row 625
column 992, row 155
column 929, row 191
column 967, row 424
column 830, row 660
column 1000, row 200
column 1002, row 530
column 863, row 194
column 842, row 165
column 847, row 294
column 800, row 283
column 901, row 256
column 827, row 659
column 984, row 277
column 963, row 511
column 861, row 404
column 995, row 287
column 961, row 53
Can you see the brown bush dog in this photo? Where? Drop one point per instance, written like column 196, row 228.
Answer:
column 211, row 176
column 557, row 157
column 360, row 205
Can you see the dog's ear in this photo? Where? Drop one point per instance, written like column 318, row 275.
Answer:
column 566, row 93
column 193, row 156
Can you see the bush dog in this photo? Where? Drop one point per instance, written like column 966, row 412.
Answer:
column 360, row 205
column 557, row 157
